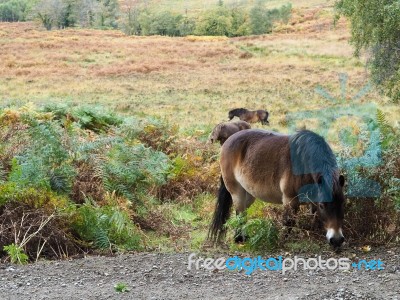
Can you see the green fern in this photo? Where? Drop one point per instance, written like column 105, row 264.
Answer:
column 3, row 174
column 95, row 118
column 382, row 122
column 387, row 131
column 129, row 171
column 101, row 238
column 118, row 218
column 261, row 234
column 46, row 162
column 106, row 227
column 16, row 253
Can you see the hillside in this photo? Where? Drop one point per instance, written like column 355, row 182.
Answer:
column 193, row 78
column 192, row 6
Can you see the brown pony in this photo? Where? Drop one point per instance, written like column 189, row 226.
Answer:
column 250, row 116
column 282, row 169
column 222, row 131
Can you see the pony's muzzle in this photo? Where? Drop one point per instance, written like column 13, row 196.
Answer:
column 335, row 237
column 336, row 242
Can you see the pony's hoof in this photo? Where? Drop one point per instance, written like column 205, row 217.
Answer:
column 240, row 239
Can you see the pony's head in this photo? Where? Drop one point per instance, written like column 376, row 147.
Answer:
column 215, row 134
column 219, row 134
column 236, row 112
column 310, row 154
column 330, row 208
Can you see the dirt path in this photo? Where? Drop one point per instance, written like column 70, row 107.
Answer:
column 165, row 276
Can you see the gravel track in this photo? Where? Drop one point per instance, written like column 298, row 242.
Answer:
column 165, row 276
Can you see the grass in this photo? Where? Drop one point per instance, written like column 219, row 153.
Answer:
column 191, row 220
column 121, row 287
column 195, row 80
column 190, row 81
column 194, row 6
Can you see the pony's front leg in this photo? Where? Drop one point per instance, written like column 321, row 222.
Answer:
column 291, row 207
column 316, row 222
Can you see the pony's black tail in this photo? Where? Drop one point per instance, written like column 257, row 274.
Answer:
column 221, row 214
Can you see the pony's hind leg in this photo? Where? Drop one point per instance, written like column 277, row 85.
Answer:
column 241, row 201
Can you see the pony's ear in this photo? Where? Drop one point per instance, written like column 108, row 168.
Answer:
column 341, row 180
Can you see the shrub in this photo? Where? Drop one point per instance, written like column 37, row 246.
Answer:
column 33, row 197
column 72, row 153
column 262, row 19
column 96, row 119
column 261, row 233
column 16, row 254
column 36, row 231
column 165, row 23
column 375, row 216
column 215, row 22
column 53, row 159
column 133, row 170
column 193, row 166
column 46, row 163
column 106, row 227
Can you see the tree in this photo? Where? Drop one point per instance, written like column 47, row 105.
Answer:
column 375, row 27
column 130, row 23
column 14, row 10
column 70, row 14
column 107, row 13
column 51, row 13
column 240, row 22
column 215, row 22
column 186, row 26
column 87, row 12
column 165, row 23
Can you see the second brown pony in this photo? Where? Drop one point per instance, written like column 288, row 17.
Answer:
column 222, row 131
column 250, row 116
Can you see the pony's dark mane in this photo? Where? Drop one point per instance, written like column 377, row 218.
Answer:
column 311, row 154
column 238, row 110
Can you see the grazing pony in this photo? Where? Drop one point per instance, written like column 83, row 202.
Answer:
column 250, row 116
column 282, row 169
column 222, row 131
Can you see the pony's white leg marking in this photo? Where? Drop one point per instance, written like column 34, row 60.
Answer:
column 332, row 233
column 282, row 185
column 289, row 201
